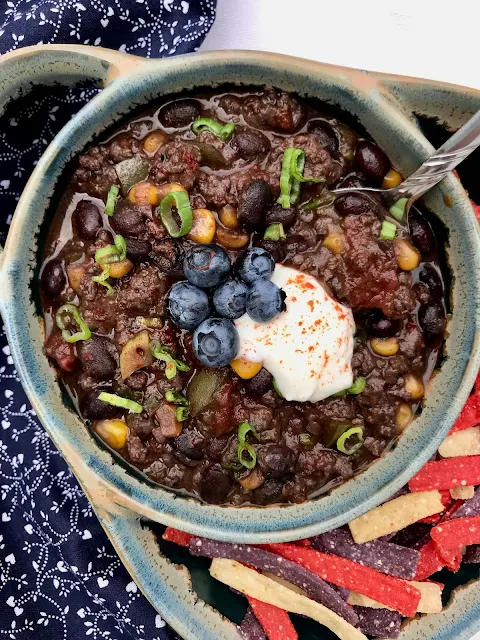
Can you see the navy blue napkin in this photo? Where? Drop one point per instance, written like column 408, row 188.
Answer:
column 60, row 578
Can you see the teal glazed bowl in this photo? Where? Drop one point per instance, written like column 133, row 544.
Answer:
column 384, row 106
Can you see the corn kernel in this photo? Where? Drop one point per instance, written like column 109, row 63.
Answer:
column 245, row 369
column 335, row 242
column 404, row 416
column 204, row 225
column 392, row 179
column 144, row 193
column 228, row 217
column 408, row 257
column 384, row 346
column 414, row 386
column 113, row 432
column 75, row 274
column 120, row 269
column 232, row 238
column 154, row 141
column 254, row 479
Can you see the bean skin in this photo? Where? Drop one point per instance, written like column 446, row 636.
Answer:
column 53, row 278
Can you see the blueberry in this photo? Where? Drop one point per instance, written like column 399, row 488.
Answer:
column 265, row 300
column 206, row 266
column 216, row 342
column 188, row 305
column 255, row 264
column 230, row 299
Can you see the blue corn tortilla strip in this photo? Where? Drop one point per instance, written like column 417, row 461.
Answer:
column 314, row 587
column 386, row 557
column 412, row 535
column 250, row 628
column 469, row 508
column 380, row 623
column 472, row 555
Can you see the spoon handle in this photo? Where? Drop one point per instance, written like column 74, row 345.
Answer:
column 446, row 158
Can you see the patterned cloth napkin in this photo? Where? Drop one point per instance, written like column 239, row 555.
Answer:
column 60, row 578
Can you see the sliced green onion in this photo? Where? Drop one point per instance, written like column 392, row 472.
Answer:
column 275, row 388
column 398, row 209
column 118, row 401
column 292, row 176
column 326, row 199
column 345, row 436
column 102, row 279
column 116, row 252
column 243, row 430
column 243, row 449
column 388, row 230
column 184, row 210
column 357, row 387
column 111, row 200
column 72, row 310
column 274, row 232
column 171, row 364
column 223, row 131
column 182, row 413
column 175, row 397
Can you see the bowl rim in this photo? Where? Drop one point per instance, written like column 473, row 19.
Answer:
column 250, row 524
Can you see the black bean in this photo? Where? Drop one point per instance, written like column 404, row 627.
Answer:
column 87, row 219
column 277, row 459
column 431, row 318
column 97, row 357
column 277, row 249
column 253, row 204
column 191, row 443
column 352, row 181
column 371, row 161
column 137, row 249
column 137, row 381
column 259, row 384
column 215, row 484
column 379, row 326
column 128, row 220
column 354, row 204
column 249, row 143
column 421, row 234
column 430, row 276
column 179, row 113
column 278, row 215
column 269, row 492
column 53, row 278
column 92, row 408
column 216, row 446
column 326, row 133
column 168, row 255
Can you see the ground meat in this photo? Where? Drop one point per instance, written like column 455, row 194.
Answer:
column 143, row 291
column 219, row 190
column 270, row 110
column 60, row 351
column 95, row 175
column 324, row 461
column 137, row 450
column 139, row 425
column 176, row 161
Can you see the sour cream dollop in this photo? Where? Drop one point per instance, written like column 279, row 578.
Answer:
column 308, row 348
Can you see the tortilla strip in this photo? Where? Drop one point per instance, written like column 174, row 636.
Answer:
column 462, row 493
column 430, row 602
column 461, row 443
column 395, row 515
column 257, row 586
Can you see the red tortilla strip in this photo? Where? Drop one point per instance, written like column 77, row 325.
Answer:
column 306, row 542
column 392, row 592
column 430, row 561
column 447, row 473
column 470, row 414
column 451, row 536
column 275, row 622
column 178, row 537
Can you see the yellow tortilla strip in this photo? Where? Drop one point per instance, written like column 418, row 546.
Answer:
column 462, row 493
column 430, row 601
column 461, row 443
column 395, row 515
column 257, row 586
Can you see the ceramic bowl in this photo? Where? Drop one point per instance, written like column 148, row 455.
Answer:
column 384, row 106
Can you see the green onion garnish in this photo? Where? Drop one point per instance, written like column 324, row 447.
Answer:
column 72, row 310
column 357, row 387
column 182, row 413
column 111, row 200
column 103, row 278
column 388, row 230
column 118, row 401
column 171, row 364
column 175, row 397
column 243, row 449
column 116, row 252
column 244, row 429
column 223, row 131
column 275, row 388
column 184, row 210
column 326, row 199
column 292, row 175
column 274, row 232
column 398, row 209
column 345, row 436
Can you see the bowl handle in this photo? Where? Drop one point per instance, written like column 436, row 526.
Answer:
column 65, row 64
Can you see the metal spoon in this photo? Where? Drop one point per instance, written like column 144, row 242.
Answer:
column 434, row 169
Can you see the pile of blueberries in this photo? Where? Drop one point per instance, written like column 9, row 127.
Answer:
column 207, row 269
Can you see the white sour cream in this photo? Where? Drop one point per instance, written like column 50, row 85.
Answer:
column 308, row 348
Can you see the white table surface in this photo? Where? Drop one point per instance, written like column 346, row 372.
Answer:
column 413, row 37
